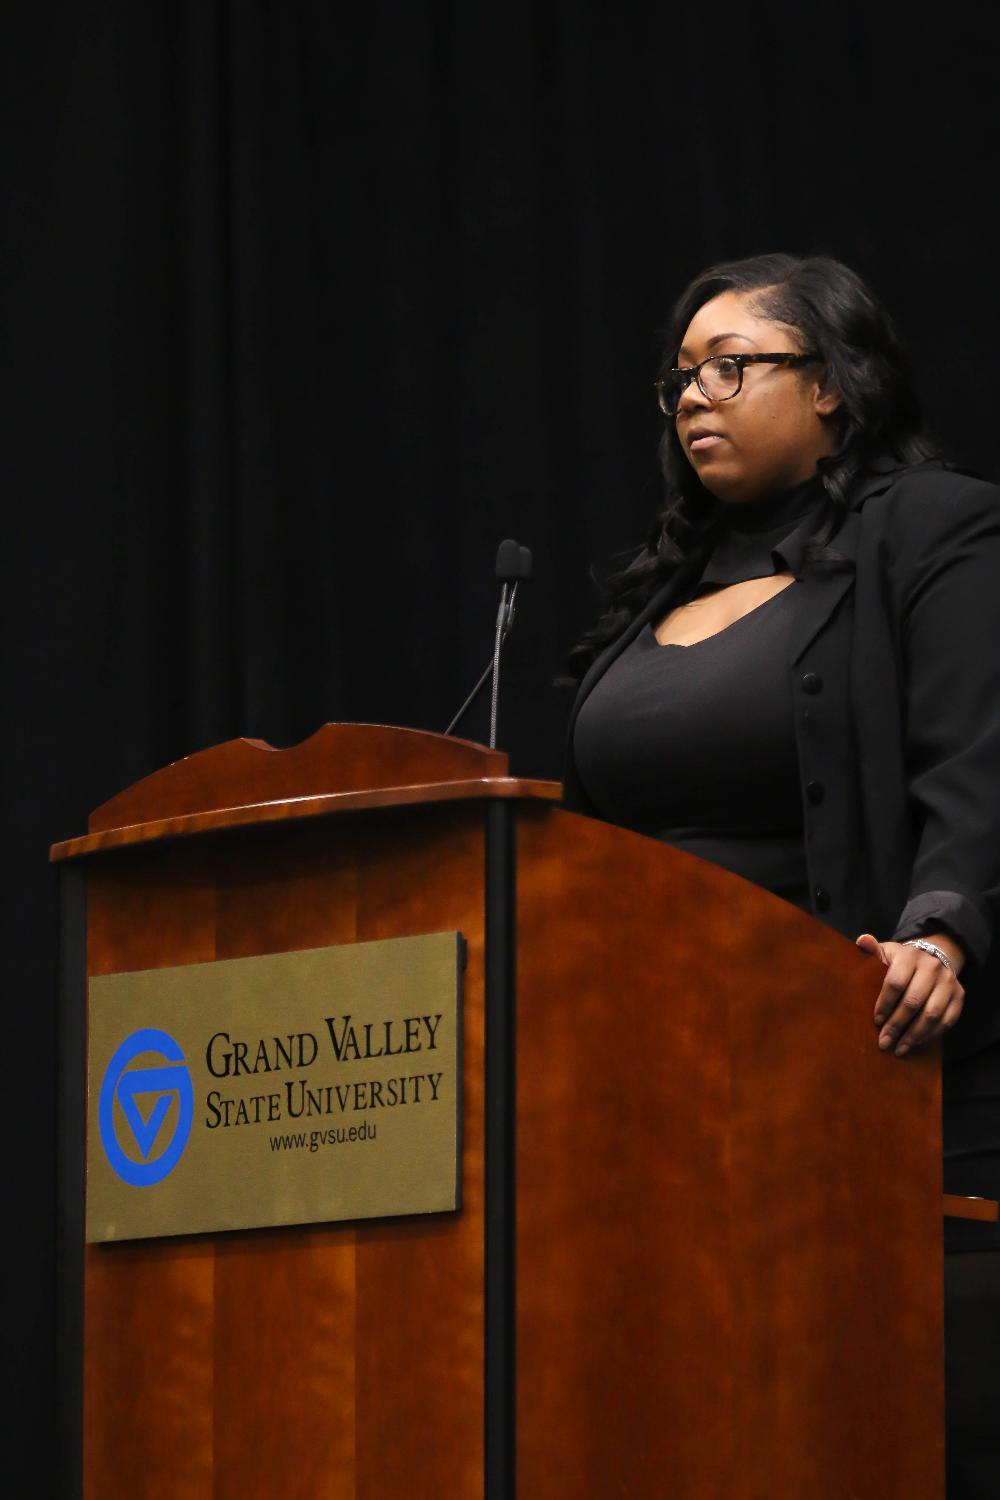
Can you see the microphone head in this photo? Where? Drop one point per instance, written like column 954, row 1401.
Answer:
column 513, row 562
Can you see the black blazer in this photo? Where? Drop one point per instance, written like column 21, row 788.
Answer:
column 895, row 674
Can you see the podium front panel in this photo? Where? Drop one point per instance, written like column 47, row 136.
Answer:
column 729, row 1257
column 323, row 1361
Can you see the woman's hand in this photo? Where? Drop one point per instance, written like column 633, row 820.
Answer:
column 920, row 999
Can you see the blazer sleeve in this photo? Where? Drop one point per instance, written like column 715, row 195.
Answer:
column 945, row 585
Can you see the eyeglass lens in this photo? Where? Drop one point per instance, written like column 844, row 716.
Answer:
column 719, row 379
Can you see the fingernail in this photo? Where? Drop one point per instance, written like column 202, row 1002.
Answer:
column 879, row 1020
column 885, row 1041
column 902, row 1049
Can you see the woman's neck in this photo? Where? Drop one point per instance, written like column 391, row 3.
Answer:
column 773, row 510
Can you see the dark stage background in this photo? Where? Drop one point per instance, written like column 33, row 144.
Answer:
column 304, row 310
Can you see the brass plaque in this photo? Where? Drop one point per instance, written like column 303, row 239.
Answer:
column 294, row 1088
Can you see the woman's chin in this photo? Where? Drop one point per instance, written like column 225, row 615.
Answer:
column 728, row 486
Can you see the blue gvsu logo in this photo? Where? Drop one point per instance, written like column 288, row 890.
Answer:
column 146, row 1096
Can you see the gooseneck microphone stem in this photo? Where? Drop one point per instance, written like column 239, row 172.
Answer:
column 513, row 564
column 505, row 619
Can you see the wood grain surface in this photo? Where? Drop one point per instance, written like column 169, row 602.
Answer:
column 332, row 1362
column 295, row 809
column 337, row 758
column 729, row 1202
column 957, row 1206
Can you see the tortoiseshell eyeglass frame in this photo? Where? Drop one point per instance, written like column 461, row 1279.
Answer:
column 671, row 386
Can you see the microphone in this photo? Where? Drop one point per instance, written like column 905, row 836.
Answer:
column 513, row 566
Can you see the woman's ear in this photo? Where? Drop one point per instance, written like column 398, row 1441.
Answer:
column 826, row 400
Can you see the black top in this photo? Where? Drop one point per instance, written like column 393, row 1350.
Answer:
column 695, row 744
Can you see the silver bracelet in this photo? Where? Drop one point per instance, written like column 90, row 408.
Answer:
column 931, row 948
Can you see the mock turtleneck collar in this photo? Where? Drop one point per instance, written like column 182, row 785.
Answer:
column 762, row 537
column 754, row 516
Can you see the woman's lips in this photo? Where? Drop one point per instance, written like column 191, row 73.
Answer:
column 705, row 441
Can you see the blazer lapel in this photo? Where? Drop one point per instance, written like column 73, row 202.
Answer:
column 822, row 591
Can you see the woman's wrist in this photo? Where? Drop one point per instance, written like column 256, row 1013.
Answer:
column 948, row 945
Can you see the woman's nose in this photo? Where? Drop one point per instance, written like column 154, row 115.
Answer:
column 693, row 398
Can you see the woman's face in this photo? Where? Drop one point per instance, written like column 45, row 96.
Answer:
column 769, row 437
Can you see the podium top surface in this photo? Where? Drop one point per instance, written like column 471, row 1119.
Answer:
column 340, row 768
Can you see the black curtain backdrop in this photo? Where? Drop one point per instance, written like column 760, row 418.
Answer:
column 305, row 310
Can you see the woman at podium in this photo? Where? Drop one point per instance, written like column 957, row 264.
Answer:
column 798, row 678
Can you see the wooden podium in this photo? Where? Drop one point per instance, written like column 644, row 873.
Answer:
column 699, row 1250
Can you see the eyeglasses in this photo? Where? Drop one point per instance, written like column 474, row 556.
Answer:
column 719, row 378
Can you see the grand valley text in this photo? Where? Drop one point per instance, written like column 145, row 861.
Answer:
column 296, row 1098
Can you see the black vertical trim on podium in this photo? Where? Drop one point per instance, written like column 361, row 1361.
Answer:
column 499, row 1381
column 71, row 1044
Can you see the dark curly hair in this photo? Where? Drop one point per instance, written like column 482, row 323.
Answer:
column 831, row 310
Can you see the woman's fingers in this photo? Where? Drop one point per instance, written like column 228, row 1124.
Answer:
column 919, row 1000
column 912, row 1000
column 903, row 964
column 951, row 1015
column 933, row 1020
